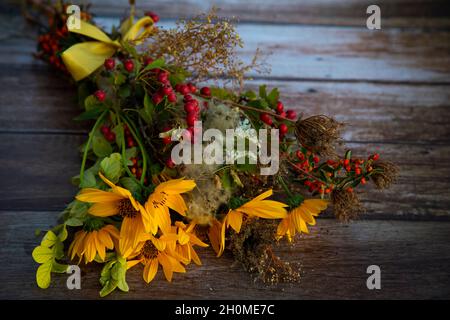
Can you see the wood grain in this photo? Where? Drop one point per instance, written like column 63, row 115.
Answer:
column 414, row 258
column 317, row 53
column 372, row 112
column 395, row 13
column 36, row 172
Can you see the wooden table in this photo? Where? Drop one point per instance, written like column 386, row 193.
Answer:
column 391, row 86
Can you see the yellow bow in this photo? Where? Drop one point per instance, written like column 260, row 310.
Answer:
column 84, row 58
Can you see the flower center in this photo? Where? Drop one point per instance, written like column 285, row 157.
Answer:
column 126, row 209
column 159, row 200
column 149, row 250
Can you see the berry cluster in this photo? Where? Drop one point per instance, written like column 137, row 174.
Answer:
column 49, row 45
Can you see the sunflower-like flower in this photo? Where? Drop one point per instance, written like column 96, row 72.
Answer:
column 187, row 239
column 154, row 251
column 299, row 217
column 257, row 207
column 166, row 195
column 88, row 244
column 118, row 201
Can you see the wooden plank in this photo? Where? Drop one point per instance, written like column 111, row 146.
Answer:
column 36, row 172
column 414, row 259
column 37, row 100
column 316, row 52
column 395, row 13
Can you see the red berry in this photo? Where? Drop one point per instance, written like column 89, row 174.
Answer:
column 184, row 89
column 291, row 114
column 100, row 95
column 190, row 119
column 167, row 90
column 348, row 168
column 346, row 162
column 307, row 183
column 205, row 91
column 157, row 98
column 300, row 155
column 327, row 190
column 330, row 162
column 109, row 64
column 170, row 163
column 358, row 171
column 192, row 87
column 110, row 136
column 130, row 142
column 349, row 189
column 266, row 118
column 147, row 61
column 167, row 140
column 280, row 107
column 283, row 129
column 172, row 97
column 163, row 77
column 105, row 130
column 316, row 159
column 187, row 98
column 128, row 65
column 376, row 156
column 153, row 16
column 190, row 107
column 363, row 181
column 283, row 114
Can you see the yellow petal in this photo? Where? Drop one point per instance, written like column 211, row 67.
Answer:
column 95, row 195
column 150, row 270
column 176, row 202
column 132, row 263
column 176, row 186
column 315, row 206
column 214, row 235
column 104, row 209
column 234, row 219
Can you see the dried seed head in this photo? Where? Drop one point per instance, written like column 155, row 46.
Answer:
column 318, row 134
column 385, row 174
column 346, row 205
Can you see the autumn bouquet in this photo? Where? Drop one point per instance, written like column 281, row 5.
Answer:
column 177, row 156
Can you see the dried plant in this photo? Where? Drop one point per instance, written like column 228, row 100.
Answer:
column 385, row 173
column 346, row 205
column 206, row 46
column 318, row 133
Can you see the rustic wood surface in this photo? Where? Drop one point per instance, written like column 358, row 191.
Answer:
column 390, row 86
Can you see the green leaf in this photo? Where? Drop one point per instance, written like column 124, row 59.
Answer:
column 148, row 111
column 119, row 79
column 75, row 213
column 62, row 236
column 43, row 274
column 58, row 250
column 236, row 179
column 273, row 97
column 49, row 239
column 130, row 153
column 131, row 184
column 158, row 63
column 91, row 103
column 250, row 95
column 42, row 254
column 112, row 167
column 89, row 180
column 119, row 132
column 227, row 181
column 262, row 91
column 124, row 91
column 90, row 114
column 109, row 287
column 101, row 147
column 348, row 154
column 59, row 268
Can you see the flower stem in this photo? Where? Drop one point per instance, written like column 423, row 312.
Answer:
column 140, row 144
column 88, row 143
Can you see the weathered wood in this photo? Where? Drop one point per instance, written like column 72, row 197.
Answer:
column 414, row 258
column 36, row 172
column 315, row 53
column 398, row 13
column 34, row 102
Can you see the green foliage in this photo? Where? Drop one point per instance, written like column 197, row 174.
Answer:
column 112, row 167
column 51, row 248
column 113, row 276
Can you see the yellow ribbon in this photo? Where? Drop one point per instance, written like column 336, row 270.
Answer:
column 84, row 58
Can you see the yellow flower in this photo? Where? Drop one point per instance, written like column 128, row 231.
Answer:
column 257, row 207
column 186, row 241
column 299, row 217
column 166, row 195
column 118, row 201
column 152, row 252
column 91, row 243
